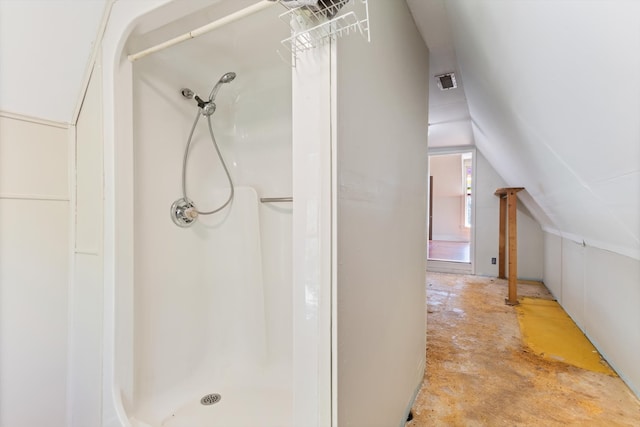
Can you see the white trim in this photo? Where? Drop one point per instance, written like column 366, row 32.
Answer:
column 36, row 120
column 333, row 398
column 578, row 240
column 437, row 151
column 232, row 17
column 97, row 44
column 439, row 266
column 72, row 183
column 550, row 230
column 620, row 250
column 35, row 197
column 445, row 266
column 92, row 252
column 630, row 252
column 474, row 203
column 448, row 122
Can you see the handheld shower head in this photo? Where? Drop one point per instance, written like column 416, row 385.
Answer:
column 226, row 78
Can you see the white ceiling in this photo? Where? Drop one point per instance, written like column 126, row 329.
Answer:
column 45, row 46
column 553, row 91
column 449, row 119
column 549, row 92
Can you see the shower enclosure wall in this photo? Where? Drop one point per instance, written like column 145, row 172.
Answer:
column 212, row 310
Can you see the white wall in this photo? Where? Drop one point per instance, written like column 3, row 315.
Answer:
column 86, row 308
column 448, row 198
column 34, row 272
column 381, row 210
column 599, row 290
column 553, row 264
column 487, row 216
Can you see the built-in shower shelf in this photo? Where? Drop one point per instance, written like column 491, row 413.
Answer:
column 313, row 26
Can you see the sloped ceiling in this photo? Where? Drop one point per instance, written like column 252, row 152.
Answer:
column 550, row 94
column 449, row 120
column 553, row 90
column 45, row 46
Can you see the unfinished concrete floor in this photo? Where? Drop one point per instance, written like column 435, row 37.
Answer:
column 479, row 373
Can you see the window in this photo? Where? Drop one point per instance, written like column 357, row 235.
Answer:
column 467, row 171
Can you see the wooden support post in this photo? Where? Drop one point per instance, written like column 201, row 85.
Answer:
column 512, row 201
column 508, row 214
column 502, row 242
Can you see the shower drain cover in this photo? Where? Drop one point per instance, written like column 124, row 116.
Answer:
column 210, row 399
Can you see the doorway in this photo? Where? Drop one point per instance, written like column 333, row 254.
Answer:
column 451, row 211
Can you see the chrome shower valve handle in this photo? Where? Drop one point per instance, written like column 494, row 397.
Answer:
column 183, row 212
column 191, row 213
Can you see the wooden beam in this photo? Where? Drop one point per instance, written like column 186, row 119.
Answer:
column 512, row 202
column 504, row 191
column 502, row 242
column 508, row 212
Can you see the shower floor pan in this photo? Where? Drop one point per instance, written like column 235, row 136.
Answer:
column 236, row 408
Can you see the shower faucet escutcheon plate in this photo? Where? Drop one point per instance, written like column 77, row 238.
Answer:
column 183, row 212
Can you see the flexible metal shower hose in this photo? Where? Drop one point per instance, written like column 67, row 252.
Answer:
column 224, row 165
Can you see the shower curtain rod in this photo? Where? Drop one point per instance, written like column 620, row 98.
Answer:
column 204, row 29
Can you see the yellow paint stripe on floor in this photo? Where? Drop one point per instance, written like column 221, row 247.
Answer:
column 551, row 333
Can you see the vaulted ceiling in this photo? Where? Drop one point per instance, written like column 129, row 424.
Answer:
column 449, row 119
column 45, row 46
column 549, row 93
column 553, row 91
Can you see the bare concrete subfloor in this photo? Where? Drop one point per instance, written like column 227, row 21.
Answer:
column 480, row 374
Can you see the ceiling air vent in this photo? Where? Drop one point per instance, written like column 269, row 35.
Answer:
column 446, row 81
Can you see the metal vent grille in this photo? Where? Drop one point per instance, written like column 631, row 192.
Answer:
column 446, row 81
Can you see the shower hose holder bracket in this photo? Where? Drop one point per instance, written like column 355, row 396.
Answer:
column 207, row 108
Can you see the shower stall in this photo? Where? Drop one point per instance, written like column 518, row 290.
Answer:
column 212, row 293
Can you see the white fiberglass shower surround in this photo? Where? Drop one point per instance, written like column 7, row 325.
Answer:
column 204, row 313
column 212, row 302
